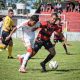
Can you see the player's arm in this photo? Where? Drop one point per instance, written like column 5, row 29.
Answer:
column 23, row 24
column 13, row 30
column 40, row 25
column 37, row 26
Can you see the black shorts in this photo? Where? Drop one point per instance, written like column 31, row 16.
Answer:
column 58, row 37
column 4, row 35
column 58, row 40
column 38, row 44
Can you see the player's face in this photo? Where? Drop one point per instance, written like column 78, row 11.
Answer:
column 31, row 23
column 53, row 17
column 57, row 22
column 11, row 14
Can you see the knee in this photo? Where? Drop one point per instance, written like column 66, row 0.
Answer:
column 52, row 51
column 11, row 44
column 29, row 50
column 33, row 53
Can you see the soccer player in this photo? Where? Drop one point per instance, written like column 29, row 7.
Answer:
column 43, row 39
column 7, row 28
column 58, row 36
column 28, row 28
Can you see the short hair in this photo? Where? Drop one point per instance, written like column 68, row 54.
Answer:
column 10, row 10
column 34, row 18
column 54, row 14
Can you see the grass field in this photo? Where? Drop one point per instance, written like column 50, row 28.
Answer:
column 68, row 69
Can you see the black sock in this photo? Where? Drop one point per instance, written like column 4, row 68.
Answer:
column 65, row 48
column 48, row 58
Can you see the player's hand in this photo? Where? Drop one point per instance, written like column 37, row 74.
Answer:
column 7, row 38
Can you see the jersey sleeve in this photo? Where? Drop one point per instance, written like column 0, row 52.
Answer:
column 38, row 24
column 22, row 24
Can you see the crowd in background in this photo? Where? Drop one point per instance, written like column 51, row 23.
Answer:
column 59, row 7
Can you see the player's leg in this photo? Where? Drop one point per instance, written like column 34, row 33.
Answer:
column 2, row 46
column 55, row 41
column 21, row 56
column 37, row 46
column 65, row 48
column 27, row 55
column 25, row 59
column 64, row 42
column 10, row 47
column 49, row 46
column 28, row 44
column 4, row 43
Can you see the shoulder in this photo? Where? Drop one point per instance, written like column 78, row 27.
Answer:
column 7, row 18
column 38, row 24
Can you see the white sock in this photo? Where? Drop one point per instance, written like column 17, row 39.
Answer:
column 23, row 55
column 26, row 57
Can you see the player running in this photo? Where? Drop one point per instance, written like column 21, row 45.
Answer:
column 28, row 38
column 7, row 28
column 58, row 36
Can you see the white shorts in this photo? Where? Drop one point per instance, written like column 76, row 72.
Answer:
column 28, row 40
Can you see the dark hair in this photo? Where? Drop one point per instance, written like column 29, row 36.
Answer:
column 34, row 18
column 54, row 14
column 10, row 10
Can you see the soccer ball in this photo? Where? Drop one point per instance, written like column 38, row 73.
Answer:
column 53, row 65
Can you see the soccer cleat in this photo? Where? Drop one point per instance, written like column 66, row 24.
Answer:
column 20, row 59
column 22, row 70
column 68, row 53
column 43, row 67
column 10, row 57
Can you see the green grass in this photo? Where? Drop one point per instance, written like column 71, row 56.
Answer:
column 68, row 69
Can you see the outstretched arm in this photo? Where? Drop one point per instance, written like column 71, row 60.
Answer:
column 25, row 23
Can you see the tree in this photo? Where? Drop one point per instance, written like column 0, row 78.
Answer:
column 22, row 1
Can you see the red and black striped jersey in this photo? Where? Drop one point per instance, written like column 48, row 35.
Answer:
column 46, row 30
column 59, row 30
